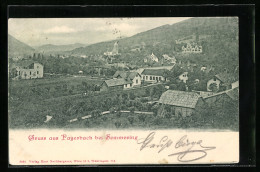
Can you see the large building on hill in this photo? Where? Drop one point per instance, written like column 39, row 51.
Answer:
column 192, row 48
column 27, row 69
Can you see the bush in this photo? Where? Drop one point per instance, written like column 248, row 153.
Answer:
column 131, row 120
column 131, row 96
column 118, row 124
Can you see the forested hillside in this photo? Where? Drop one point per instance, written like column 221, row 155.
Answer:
column 58, row 48
column 218, row 37
column 18, row 48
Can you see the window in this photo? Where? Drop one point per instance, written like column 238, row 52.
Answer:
column 30, row 72
column 153, row 78
column 136, row 81
column 156, row 78
column 214, row 79
column 143, row 77
column 146, row 77
column 160, row 78
column 37, row 72
column 150, row 77
column 130, row 85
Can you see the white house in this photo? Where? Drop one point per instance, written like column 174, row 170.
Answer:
column 183, row 77
column 169, row 59
column 154, row 58
column 153, row 75
column 27, row 69
column 135, row 77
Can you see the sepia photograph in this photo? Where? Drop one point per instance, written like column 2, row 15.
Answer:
column 164, row 90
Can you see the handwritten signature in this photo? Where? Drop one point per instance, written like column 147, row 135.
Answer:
column 193, row 150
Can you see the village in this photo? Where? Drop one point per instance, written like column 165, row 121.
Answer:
column 173, row 91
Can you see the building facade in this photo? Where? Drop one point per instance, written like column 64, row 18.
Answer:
column 135, row 77
column 28, row 70
column 153, row 75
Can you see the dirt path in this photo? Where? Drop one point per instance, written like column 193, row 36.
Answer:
column 108, row 112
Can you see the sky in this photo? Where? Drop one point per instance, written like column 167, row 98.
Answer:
column 62, row 31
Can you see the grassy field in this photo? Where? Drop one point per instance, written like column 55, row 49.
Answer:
column 53, row 81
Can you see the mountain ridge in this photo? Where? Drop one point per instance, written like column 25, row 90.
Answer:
column 18, row 48
column 58, row 48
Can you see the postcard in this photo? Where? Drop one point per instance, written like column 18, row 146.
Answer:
column 123, row 91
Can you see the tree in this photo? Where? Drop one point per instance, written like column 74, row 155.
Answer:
column 152, row 91
column 96, row 113
column 213, row 87
column 118, row 124
column 141, row 117
column 131, row 119
column 131, row 96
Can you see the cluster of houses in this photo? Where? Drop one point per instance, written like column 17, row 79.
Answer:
column 180, row 103
column 26, row 69
column 183, row 103
column 165, row 58
column 129, row 79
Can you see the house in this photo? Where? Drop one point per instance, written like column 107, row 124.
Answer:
column 27, row 69
column 135, row 77
column 183, row 77
column 121, row 80
column 154, row 75
column 192, row 48
column 222, row 81
column 180, row 103
column 154, row 58
column 115, row 84
column 151, row 58
column 169, row 59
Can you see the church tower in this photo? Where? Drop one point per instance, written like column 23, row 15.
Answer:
column 115, row 49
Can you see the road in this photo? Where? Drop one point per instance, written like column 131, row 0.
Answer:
column 108, row 112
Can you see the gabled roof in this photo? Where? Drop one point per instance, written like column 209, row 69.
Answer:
column 226, row 77
column 25, row 63
column 180, row 98
column 117, row 82
column 125, row 75
column 157, row 72
column 233, row 93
